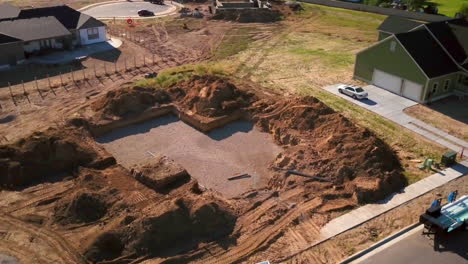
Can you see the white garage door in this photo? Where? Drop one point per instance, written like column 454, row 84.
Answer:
column 412, row 90
column 387, row 81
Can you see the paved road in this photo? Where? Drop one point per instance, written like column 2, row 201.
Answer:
column 391, row 106
column 415, row 248
column 125, row 9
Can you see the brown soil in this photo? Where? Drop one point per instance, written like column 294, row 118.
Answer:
column 160, row 173
column 104, row 212
column 129, row 100
column 212, row 97
column 249, row 15
column 81, row 207
column 47, row 153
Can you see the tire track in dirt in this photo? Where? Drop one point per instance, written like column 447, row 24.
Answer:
column 249, row 246
column 65, row 251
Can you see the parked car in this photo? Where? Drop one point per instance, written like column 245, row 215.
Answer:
column 354, row 91
column 157, row 2
column 145, row 13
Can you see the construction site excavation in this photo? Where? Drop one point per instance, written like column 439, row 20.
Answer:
column 207, row 170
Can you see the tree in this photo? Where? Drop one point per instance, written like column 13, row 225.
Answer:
column 464, row 10
column 415, row 4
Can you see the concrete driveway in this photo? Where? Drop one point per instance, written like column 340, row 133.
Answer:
column 391, row 106
column 127, row 9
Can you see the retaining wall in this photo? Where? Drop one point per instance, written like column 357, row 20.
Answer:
column 200, row 123
column 379, row 10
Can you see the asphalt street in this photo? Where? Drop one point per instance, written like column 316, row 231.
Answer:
column 451, row 248
column 129, row 9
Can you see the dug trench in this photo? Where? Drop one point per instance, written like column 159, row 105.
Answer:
column 147, row 203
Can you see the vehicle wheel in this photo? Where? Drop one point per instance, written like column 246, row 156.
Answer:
column 354, row 96
column 340, row 90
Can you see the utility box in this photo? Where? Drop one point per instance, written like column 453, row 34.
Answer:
column 449, row 158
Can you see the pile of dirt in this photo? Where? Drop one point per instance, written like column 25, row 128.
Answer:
column 249, row 15
column 82, row 206
column 212, row 96
column 323, row 143
column 160, row 173
column 130, row 100
column 46, row 154
column 177, row 225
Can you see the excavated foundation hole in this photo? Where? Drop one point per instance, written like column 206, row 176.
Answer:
column 211, row 158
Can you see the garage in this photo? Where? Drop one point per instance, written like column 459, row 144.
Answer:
column 387, row 81
column 412, row 90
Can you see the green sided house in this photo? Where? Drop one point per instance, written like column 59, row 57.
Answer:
column 427, row 63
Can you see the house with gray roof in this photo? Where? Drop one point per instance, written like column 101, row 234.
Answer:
column 30, row 32
column 424, row 64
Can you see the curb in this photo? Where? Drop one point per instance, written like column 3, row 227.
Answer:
column 379, row 244
column 174, row 6
column 101, row 3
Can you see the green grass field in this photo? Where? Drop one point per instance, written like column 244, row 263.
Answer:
column 449, row 7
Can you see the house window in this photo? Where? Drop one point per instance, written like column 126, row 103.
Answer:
column 447, row 84
column 392, row 46
column 435, row 86
column 93, row 33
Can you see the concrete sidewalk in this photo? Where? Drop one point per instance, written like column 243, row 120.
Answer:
column 391, row 106
column 61, row 57
column 369, row 211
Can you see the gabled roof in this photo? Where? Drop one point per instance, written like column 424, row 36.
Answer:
column 7, row 39
column 453, row 36
column 66, row 15
column 8, row 11
column 34, row 28
column 394, row 25
column 427, row 53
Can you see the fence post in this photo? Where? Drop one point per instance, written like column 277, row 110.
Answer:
column 11, row 93
column 73, row 75
column 134, row 61
column 50, row 85
column 115, row 67
column 105, row 69
column 37, row 87
column 24, row 91
column 153, row 59
column 84, row 74
column 95, row 74
column 144, row 60
column 125, row 61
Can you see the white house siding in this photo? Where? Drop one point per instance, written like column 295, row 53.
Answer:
column 84, row 36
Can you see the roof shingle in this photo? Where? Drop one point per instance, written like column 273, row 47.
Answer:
column 427, row 53
column 8, row 11
column 394, row 25
column 69, row 17
column 34, row 28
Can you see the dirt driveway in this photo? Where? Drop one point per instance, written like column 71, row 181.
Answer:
column 211, row 158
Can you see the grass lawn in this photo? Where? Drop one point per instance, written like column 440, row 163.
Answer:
column 449, row 7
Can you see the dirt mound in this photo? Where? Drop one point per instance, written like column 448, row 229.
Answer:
column 130, row 100
column 160, row 173
column 81, row 207
column 212, row 96
column 177, row 226
column 323, row 143
column 46, row 154
column 249, row 15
